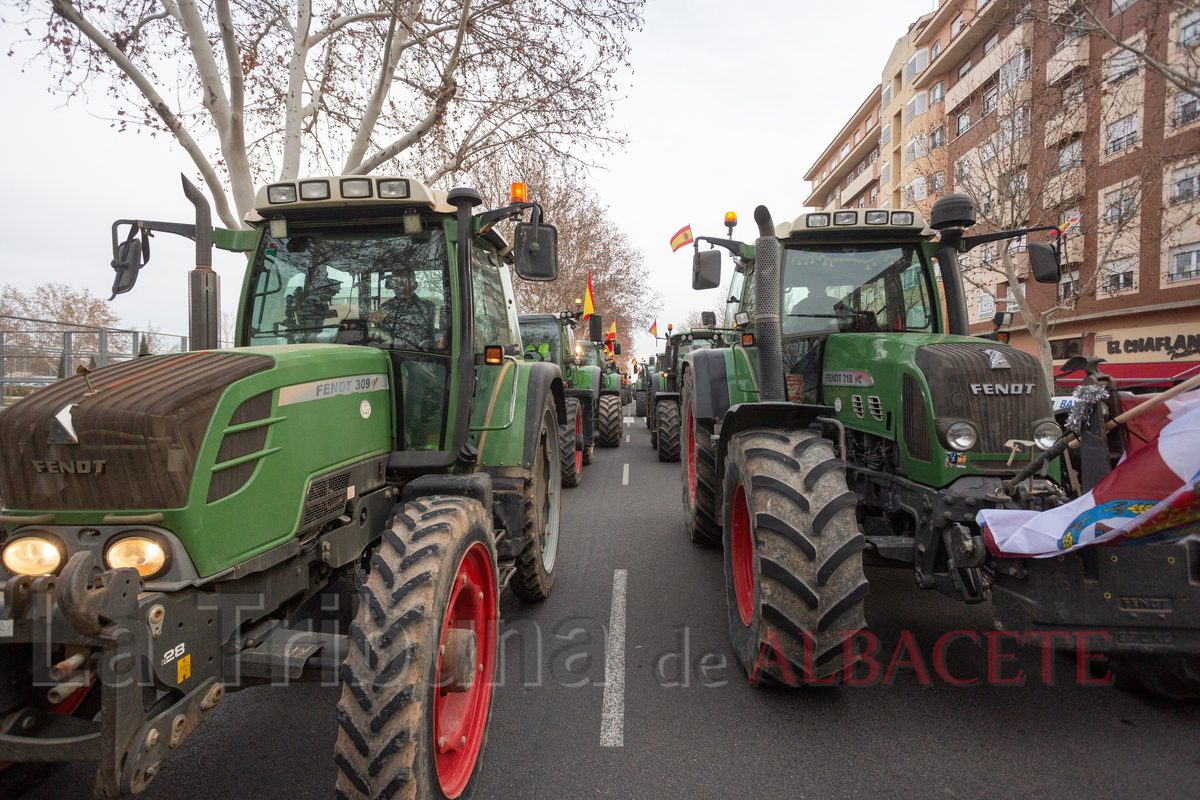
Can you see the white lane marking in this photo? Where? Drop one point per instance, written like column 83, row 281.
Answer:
column 612, row 715
column 629, row 419
column 627, row 437
column 625, row 476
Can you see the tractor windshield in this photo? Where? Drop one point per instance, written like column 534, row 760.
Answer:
column 352, row 286
column 858, row 288
column 589, row 354
column 541, row 339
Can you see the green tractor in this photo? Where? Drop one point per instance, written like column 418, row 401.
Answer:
column 854, row 420
column 665, row 382
column 641, row 389
column 550, row 338
column 168, row 518
column 608, row 423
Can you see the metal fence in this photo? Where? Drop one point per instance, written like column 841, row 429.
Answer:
column 37, row 352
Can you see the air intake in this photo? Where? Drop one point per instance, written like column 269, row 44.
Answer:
column 916, row 421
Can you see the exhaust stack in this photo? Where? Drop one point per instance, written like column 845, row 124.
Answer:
column 204, row 285
column 766, row 308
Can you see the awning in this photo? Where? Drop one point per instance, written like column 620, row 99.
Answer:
column 1162, row 373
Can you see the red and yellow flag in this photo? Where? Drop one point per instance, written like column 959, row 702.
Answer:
column 682, row 238
column 589, row 307
column 611, row 336
column 654, row 329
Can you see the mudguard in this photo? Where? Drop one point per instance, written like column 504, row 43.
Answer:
column 778, row 415
column 710, row 384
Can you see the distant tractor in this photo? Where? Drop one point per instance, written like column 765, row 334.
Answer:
column 666, row 385
column 550, row 338
column 167, row 518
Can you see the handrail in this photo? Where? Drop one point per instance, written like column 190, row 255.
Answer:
column 512, row 406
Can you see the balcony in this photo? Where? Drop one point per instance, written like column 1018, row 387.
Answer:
column 1064, row 186
column 1066, row 59
column 988, row 66
column 1066, row 125
column 862, row 181
column 1120, row 143
column 1184, row 275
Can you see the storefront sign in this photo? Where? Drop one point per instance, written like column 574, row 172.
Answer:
column 1150, row 344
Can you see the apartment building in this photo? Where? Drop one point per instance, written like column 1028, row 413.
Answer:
column 1009, row 102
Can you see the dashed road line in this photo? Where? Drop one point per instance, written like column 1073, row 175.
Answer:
column 612, row 714
column 625, row 476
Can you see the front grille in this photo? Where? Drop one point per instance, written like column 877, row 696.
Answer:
column 325, row 499
column 916, row 422
column 857, row 404
column 243, row 443
column 876, row 406
column 997, row 417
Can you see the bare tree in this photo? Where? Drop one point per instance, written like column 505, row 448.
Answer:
column 255, row 90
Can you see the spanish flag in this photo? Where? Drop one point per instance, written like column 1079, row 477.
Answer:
column 611, row 336
column 1070, row 224
column 684, row 237
column 654, row 329
column 589, row 307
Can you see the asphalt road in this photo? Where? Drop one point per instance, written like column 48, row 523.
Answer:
column 701, row 732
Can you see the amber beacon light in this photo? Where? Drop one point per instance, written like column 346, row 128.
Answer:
column 519, row 193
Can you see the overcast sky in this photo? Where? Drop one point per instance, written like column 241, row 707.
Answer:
column 727, row 106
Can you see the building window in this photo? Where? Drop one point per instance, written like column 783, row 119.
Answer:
column 1187, row 108
column 991, row 43
column 1016, row 69
column 1069, row 215
column 1062, row 349
column 874, row 156
column 935, row 50
column 915, row 191
column 937, row 93
column 824, row 173
column 937, row 137
column 1119, row 275
column 1120, row 205
column 862, row 202
column 845, row 150
column 1189, row 28
column 885, row 134
column 1120, row 5
column 871, row 121
column 1017, row 184
column 1019, row 245
column 964, row 69
column 887, row 96
column 1073, row 95
column 885, row 172
column 987, row 254
column 989, row 100
column 917, row 64
column 1122, row 134
column 1068, row 285
column 917, row 105
column 987, row 306
column 963, row 123
column 1185, row 262
column 1186, row 184
column 937, row 182
column 874, row 195
column 987, row 153
column 915, row 149
column 857, row 137
column 962, row 170
column 956, row 27
column 1122, row 64
column 1071, row 155
column 886, row 204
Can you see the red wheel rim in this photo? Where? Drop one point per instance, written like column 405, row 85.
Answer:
column 578, row 453
column 460, row 718
column 691, row 458
column 741, row 555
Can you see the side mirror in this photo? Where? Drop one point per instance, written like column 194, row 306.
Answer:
column 127, row 261
column 535, row 251
column 708, row 318
column 616, row 348
column 596, row 328
column 706, row 269
column 1043, row 262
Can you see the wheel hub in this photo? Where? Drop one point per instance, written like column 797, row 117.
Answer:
column 459, row 659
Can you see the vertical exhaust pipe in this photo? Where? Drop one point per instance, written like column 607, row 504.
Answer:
column 766, row 309
column 204, row 285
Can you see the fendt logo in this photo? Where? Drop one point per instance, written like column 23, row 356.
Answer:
column 95, row 467
column 1002, row 388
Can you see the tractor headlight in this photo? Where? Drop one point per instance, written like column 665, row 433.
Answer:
column 961, row 436
column 1046, row 434
column 142, row 553
column 33, row 555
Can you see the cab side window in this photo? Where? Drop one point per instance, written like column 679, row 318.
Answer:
column 491, row 314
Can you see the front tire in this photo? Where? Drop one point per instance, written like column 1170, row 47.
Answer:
column 569, row 453
column 793, row 556
column 666, row 415
column 534, row 576
column 610, row 423
column 1174, row 675
column 699, row 473
column 412, row 720
column 639, row 404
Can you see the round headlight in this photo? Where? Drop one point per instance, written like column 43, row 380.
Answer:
column 1046, row 434
column 961, row 436
column 32, row 555
column 137, row 552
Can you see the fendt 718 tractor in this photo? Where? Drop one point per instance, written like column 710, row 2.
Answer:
column 854, row 422
column 550, row 338
column 165, row 518
column 663, row 400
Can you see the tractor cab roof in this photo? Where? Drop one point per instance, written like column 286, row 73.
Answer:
column 375, row 192
column 853, row 223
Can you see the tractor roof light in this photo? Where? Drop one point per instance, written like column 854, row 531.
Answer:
column 518, row 193
column 281, row 193
column 903, row 218
column 356, row 187
column 34, row 555
column 314, row 190
column 877, row 217
column 393, row 188
column 845, row 218
column 817, row 220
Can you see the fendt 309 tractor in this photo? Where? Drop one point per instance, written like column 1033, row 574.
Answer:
column 860, row 423
column 166, row 517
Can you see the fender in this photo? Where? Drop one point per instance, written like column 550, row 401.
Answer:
column 710, row 384
column 778, row 415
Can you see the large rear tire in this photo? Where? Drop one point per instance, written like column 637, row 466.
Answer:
column 417, row 681
column 639, row 404
column 1174, row 675
column 569, row 453
column 793, row 556
column 534, row 576
column 666, row 415
column 699, row 473
column 610, row 424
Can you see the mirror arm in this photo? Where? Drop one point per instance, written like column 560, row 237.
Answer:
column 732, row 245
column 489, row 218
column 186, row 230
column 971, row 242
